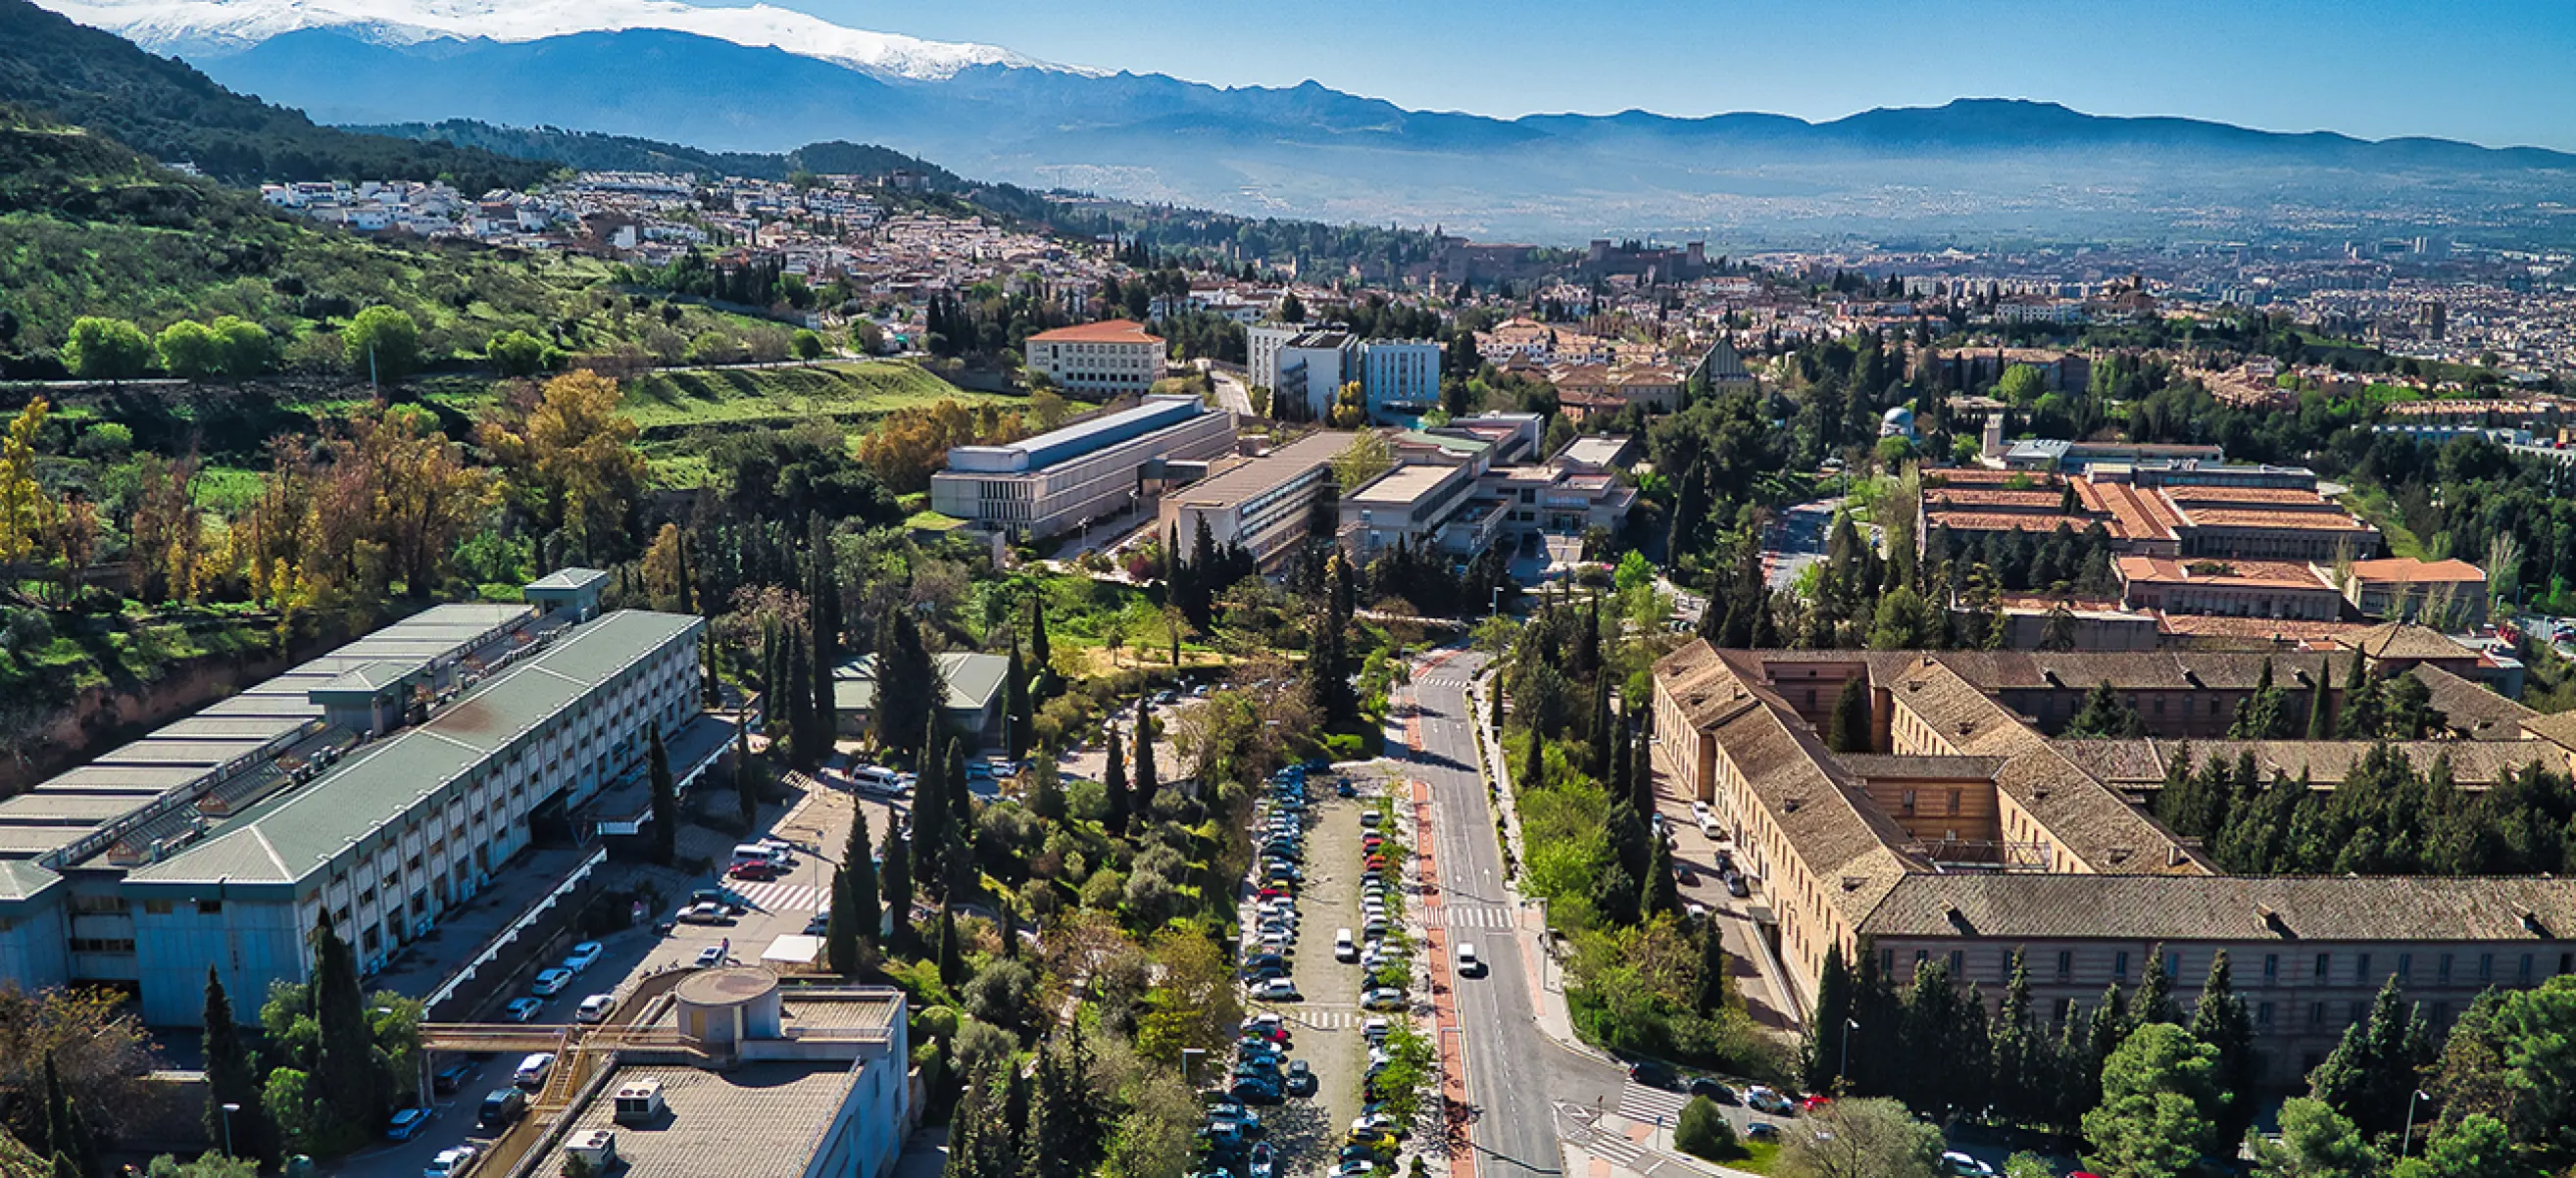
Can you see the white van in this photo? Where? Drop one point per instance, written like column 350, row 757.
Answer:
column 877, row 779
column 1344, row 948
column 1469, row 965
column 744, row 853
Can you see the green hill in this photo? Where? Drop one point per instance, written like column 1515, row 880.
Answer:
column 592, row 151
column 168, row 111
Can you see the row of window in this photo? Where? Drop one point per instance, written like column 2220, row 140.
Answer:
column 2447, row 968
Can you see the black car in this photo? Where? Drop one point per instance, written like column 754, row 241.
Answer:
column 501, row 1106
column 1714, row 1089
column 451, row 1077
column 1653, row 1074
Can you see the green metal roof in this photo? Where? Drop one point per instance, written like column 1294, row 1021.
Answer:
column 288, row 837
column 972, row 678
column 20, row 880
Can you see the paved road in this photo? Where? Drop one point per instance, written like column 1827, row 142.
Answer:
column 1231, row 392
column 1514, row 1074
column 1797, row 539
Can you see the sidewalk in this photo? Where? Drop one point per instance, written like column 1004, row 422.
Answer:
column 1547, row 974
column 1607, row 1145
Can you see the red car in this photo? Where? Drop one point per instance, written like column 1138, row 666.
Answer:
column 1808, row 1104
column 1272, row 893
column 754, row 871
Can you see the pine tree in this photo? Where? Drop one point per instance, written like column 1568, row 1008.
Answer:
column 1535, row 774
column 1007, row 922
column 898, row 885
column 1114, row 818
column 231, row 1078
column 2220, row 1021
column 1146, row 781
column 2154, row 1001
column 1851, row 731
column 825, row 609
column 666, row 799
column 1620, row 760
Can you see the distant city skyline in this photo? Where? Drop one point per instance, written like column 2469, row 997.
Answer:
column 2495, row 74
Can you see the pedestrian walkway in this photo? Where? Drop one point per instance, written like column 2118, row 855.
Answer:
column 778, row 897
column 1638, row 1102
column 1470, row 916
column 1330, row 1020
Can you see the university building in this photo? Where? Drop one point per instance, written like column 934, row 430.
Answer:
column 1967, row 833
column 1092, row 469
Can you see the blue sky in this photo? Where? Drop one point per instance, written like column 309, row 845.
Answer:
column 2497, row 71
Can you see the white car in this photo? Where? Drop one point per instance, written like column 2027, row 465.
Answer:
column 450, row 1162
column 596, row 1007
column 1278, row 990
column 524, row 1010
column 1383, row 998
column 583, row 955
column 551, row 982
column 711, row 956
column 1376, row 1028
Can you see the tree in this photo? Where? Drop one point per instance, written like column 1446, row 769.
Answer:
column 1708, row 983
column 806, row 344
column 517, row 354
column 2159, row 1097
column 382, row 344
column 188, row 350
column 1824, row 1051
column 243, row 346
column 898, row 883
column 2315, row 1142
column 2221, row 1021
column 1662, row 893
column 1016, row 704
column 1114, row 819
column 2320, row 706
column 1860, row 1137
column 867, row 908
column 232, row 1077
column 952, row 959
column 746, row 780
column 666, row 799
column 2370, row 1075
column 1851, row 730
column 1040, row 655
column 2105, row 714
column 1146, row 782
column 840, row 926
column 1702, row 1131
column 931, row 815
column 2477, row 1147
column 1904, row 622
column 106, row 349
column 571, row 459
column 2154, row 1001
column 345, row 1073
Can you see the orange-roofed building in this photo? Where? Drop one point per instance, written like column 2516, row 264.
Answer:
column 2401, row 587
column 1098, row 360
column 2235, row 589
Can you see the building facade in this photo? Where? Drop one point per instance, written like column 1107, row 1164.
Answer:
column 1098, row 360
column 1401, row 378
column 1068, row 477
column 1265, row 504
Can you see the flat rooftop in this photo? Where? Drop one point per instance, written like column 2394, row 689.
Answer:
column 1252, row 476
column 1079, row 439
column 760, row 1120
column 1402, row 485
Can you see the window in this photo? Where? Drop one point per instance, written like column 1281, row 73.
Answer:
column 2486, row 967
column 2442, row 970
column 2361, row 970
column 1955, row 798
column 1887, row 962
column 1958, row 964
column 2526, row 969
column 2316, row 1014
column 2120, row 966
column 1921, row 956
column 2405, row 967
column 2262, row 1014
column 2173, row 965
column 2325, row 966
column 2065, row 965
column 156, row 908
column 210, row 907
column 2271, row 968
column 1908, row 801
column 2441, row 1015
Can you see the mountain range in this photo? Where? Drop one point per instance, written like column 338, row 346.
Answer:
column 763, row 79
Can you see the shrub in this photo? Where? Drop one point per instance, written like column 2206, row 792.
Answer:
column 106, row 349
column 1702, row 1131
column 382, row 343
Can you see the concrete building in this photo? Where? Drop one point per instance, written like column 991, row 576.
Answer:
column 1098, row 360
column 1401, row 378
column 1266, row 504
column 382, row 784
column 739, row 1073
column 2222, row 522
column 1420, row 505
column 1967, row 835
column 1094, row 468
column 977, row 687
column 1312, row 367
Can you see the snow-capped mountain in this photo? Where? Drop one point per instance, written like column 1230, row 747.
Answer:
column 207, row 28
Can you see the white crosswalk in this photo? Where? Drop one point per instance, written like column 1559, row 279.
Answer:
column 1330, row 1020
column 1456, row 681
column 1638, row 1102
column 1468, row 916
column 779, row 897
column 1617, row 1150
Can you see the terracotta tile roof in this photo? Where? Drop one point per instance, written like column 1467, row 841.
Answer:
column 2471, row 708
column 2401, row 640
column 2406, row 570
column 2247, row 574
column 2317, row 909
column 1988, row 521
column 2281, row 630
column 1885, row 766
column 1107, row 331
column 2285, row 496
column 2296, row 520
column 2140, row 765
column 2089, row 820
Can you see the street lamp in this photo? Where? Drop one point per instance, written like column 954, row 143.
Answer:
column 229, row 1110
column 2406, row 1144
column 1842, row 1070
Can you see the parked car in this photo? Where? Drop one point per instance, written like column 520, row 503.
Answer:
column 1761, row 1131
column 500, row 1107
column 453, row 1076
column 1653, row 1074
column 450, row 1162
column 1764, row 1100
column 533, row 1070
column 551, row 982
column 1301, row 1078
column 1714, row 1089
column 595, row 1008
column 524, row 1009
column 1963, row 1166
column 405, row 1123
column 1278, row 990
column 583, row 955
column 758, row 869
column 711, row 956
column 1382, row 998
column 703, row 912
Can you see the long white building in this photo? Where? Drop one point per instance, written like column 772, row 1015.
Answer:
column 1065, row 478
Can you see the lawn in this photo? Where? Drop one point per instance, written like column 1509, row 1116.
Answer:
column 850, row 393
column 2372, row 504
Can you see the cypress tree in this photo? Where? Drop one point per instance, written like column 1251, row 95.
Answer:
column 2220, row 1021
column 666, row 799
column 1851, row 730
column 1619, row 764
column 1040, row 657
column 1709, row 986
column 1600, row 734
column 231, row 1078
column 746, row 781
column 1641, row 772
column 1662, row 892
column 2011, row 1050
column 866, row 907
column 820, row 718
column 1823, row 1057
column 2154, row 1001
column 1114, row 819
column 344, row 1069
column 931, row 810
column 898, row 885
column 1007, row 922
column 2320, row 704
column 1535, row 776
column 952, row 962
column 1016, row 704
column 1146, row 779
column 961, row 797
column 841, row 927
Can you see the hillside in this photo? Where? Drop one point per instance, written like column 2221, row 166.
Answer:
column 592, row 151
column 169, row 111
